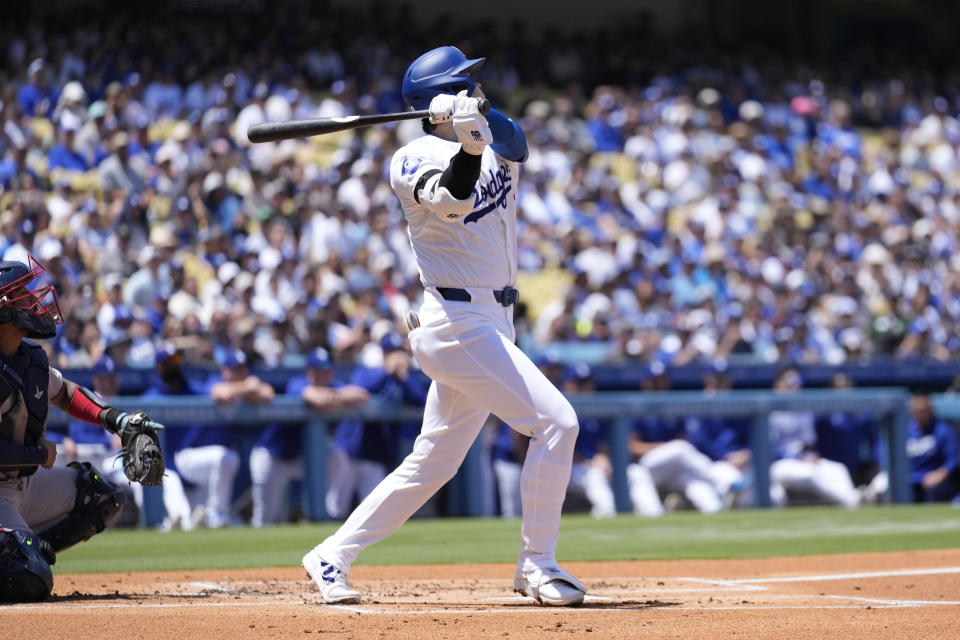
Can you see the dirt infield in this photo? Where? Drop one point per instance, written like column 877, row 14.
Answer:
column 883, row 595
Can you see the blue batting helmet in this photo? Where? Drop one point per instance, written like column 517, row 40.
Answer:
column 440, row 70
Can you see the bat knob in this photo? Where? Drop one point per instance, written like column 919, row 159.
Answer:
column 483, row 106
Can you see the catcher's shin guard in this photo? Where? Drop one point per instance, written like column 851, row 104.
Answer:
column 98, row 504
column 25, row 561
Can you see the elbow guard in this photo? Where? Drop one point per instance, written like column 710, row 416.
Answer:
column 445, row 205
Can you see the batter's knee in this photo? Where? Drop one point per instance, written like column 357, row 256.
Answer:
column 25, row 560
column 98, row 504
column 565, row 422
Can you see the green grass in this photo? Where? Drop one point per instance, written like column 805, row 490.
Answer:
column 733, row 534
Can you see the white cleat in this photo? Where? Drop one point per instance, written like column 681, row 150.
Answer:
column 552, row 586
column 331, row 581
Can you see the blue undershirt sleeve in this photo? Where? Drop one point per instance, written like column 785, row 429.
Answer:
column 509, row 141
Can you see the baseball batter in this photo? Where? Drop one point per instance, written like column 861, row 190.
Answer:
column 457, row 187
column 46, row 510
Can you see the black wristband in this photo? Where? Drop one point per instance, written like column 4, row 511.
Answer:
column 461, row 175
column 111, row 417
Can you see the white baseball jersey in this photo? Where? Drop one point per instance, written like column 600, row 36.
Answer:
column 467, row 348
column 479, row 249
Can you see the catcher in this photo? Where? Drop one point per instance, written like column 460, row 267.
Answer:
column 44, row 511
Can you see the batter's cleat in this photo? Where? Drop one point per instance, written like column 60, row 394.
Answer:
column 331, row 581
column 552, row 586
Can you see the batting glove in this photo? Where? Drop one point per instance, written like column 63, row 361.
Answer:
column 442, row 108
column 471, row 127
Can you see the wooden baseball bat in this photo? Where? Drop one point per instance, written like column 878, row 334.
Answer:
column 273, row 131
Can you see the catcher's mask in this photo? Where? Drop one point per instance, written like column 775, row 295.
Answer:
column 38, row 311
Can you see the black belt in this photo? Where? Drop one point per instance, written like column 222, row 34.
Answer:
column 507, row 296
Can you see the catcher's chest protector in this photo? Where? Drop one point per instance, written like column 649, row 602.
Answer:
column 27, row 373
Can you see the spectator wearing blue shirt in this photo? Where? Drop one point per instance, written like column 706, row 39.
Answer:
column 662, row 455
column 15, row 164
column 600, row 115
column 362, row 452
column 932, row 452
column 592, row 471
column 64, row 154
column 35, row 98
column 275, row 460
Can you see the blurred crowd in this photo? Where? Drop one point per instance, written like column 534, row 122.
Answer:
column 673, row 208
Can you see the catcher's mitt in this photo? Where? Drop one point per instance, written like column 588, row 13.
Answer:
column 142, row 457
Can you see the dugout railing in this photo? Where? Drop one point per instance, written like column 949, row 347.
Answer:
column 617, row 409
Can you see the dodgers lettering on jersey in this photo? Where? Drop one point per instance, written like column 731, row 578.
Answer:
column 480, row 249
column 494, row 192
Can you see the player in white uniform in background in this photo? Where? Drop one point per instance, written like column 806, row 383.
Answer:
column 797, row 465
column 666, row 462
column 457, row 187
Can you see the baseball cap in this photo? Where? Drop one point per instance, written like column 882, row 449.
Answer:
column 27, row 227
column 656, row 368
column 111, row 280
column 69, row 121
column 166, row 351
column 227, row 271
column 391, row 342
column 50, row 249
column 579, row 371
column 719, row 367
column 233, row 358
column 122, row 315
column 97, row 109
column 547, row 358
column 318, row 359
column 36, row 66
column 120, row 140
column 105, row 365
column 114, row 336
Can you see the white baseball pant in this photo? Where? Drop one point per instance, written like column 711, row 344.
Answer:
column 110, row 464
column 270, row 479
column 467, row 349
column 212, row 468
column 828, row 479
column 38, row 501
column 678, row 466
column 592, row 482
column 348, row 477
column 508, row 486
column 643, row 493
